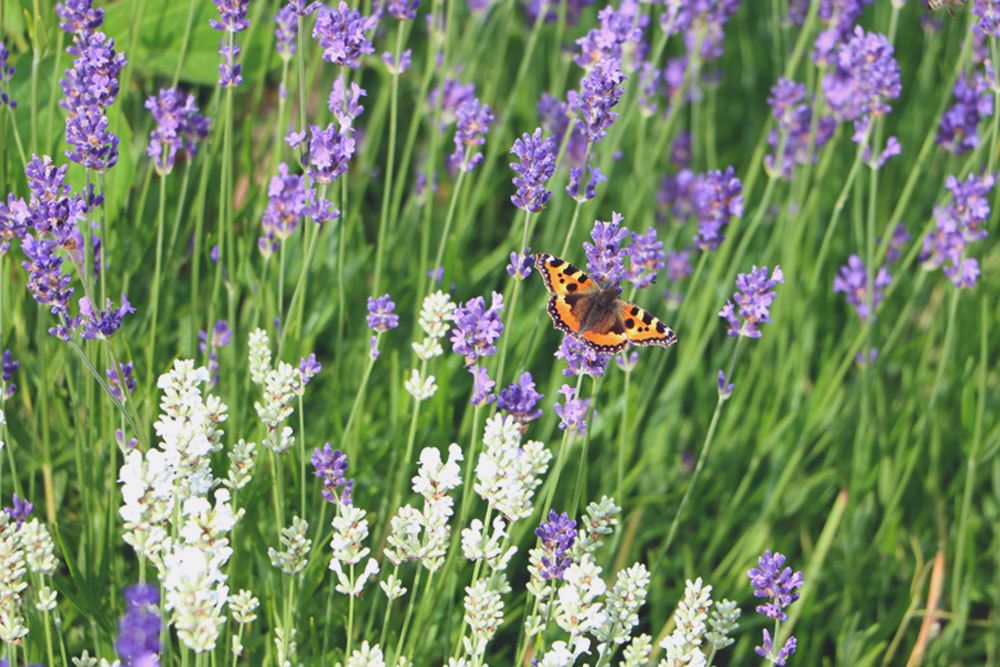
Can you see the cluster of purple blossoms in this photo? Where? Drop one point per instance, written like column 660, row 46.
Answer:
column 537, row 157
column 397, row 66
column 222, row 334
column 572, row 412
column 450, row 96
column 139, row 629
column 403, row 10
column 900, row 237
column 703, row 23
column 309, row 368
column 619, row 30
column 725, row 388
column 987, row 13
column 99, row 324
column 520, row 400
column 234, row 19
column 20, row 509
column 331, row 466
column 581, row 359
column 345, row 108
column 853, row 282
column 573, row 9
column 6, row 74
column 477, row 328
column 865, row 79
column 794, row 136
column 79, row 16
column 646, row 259
column 286, row 31
column 520, row 264
column 959, row 131
column 341, row 32
column 605, row 256
column 122, row 385
column 328, row 152
column 753, row 301
column 288, row 201
column 10, row 366
column 717, row 198
column 179, row 127
column 600, row 91
column 557, row 535
column 778, row 584
column 381, row 318
column 573, row 187
column 473, row 122
column 482, row 386
column 957, row 224
column 89, row 87
column 554, row 115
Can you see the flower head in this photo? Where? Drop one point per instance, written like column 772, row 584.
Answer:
column 346, row 107
column 122, row 384
column 557, row 535
column 573, row 411
column 138, row 641
column 482, row 386
column 754, row 296
column 79, row 16
column 538, row 163
column 286, row 31
column 6, row 74
column 331, row 466
column 959, row 129
column 404, row 10
column 473, row 122
column 717, row 198
column 864, row 81
column 646, row 258
column 520, row 400
column 776, row 583
column 101, row 324
column 600, row 91
column 233, row 14
column 766, row 649
column 520, row 264
column 20, row 509
column 853, row 282
column 179, row 127
column 605, row 256
column 576, row 175
column 581, row 359
column 341, row 32
column 958, row 224
column 380, row 314
column 328, row 153
column 477, row 328
column 794, row 135
column 10, row 366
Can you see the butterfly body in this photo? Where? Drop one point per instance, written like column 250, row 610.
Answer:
column 597, row 315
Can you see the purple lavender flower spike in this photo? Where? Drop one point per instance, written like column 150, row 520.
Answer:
column 581, row 359
column 678, row 265
column 381, row 317
column 959, row 129
column 230, row 71
column 766, row 650
column 20, row 509
column 79, row 16
column 717, row 198
column 753, row 302
column 6, row 74
column 473, row 122
column 538, row 163
column 331, row 467
column 646, row 259
column 725, row 388
column 987, row 13
column 627, row 361
column 482, row 386
column 286, row 31
column 346, row 108
column 436, row 274
column 520, row 264
column 865, row 80
column 222, row 334
column 600, row 91
column 14, row 220
column 702, row 24
column 605, row 256
column 124, row 386
column 853, row 282
column 309, row 368
column 477, row 328
column 451, row 95
column 287, row 201
column 958, row 224
column 520, row 400
column 778, row 584
column 303, row 8
column 138, row 641
column 329, row 152
column 233, row 14
column 557, row 535
column 554, row 115
column 403, row 10
column 341, row 32
column 397, row 67
column 573, row 187
column 179, row 127
column 791, row 109
column 900, row 237
column 573, row 411
column 10, row 366
column 620, row 29
column 101, row 324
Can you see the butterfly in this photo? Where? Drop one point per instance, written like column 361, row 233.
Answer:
column 594, row 314
column 935, row 5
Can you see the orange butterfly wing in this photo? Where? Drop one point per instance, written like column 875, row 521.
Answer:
column 562, row 278
column 642, row 328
